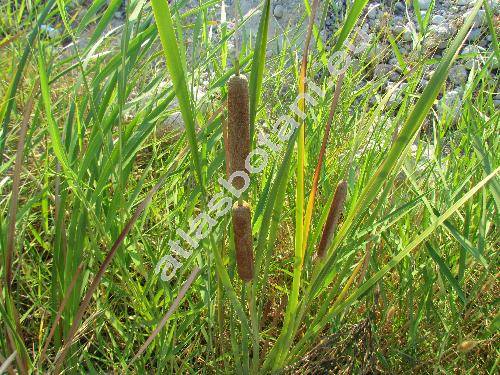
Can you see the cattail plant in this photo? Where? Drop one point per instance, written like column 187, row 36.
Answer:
column 333, row 218
column 242, row 226
column 237, row 150
column 238, row 125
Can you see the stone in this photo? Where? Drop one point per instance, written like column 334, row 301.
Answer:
column 400, row 7
column 398, row 94
column 381, row 70
column 481, row 17
column 424, row 4
column 483, row 43
column 407, row 35
column 394, row 76
column 438, row 36
column 398, row 29
column 437, row 19
column 173, row 123
column 464, row 2
column 376, row 53
column 50, row 31
column 278, row 11
column 450, row 103
column 470, row 49
column 470, row 56
column 458, row 75
column 119, row 15
column 373, row 11
column 474, row 35
column 479, row 20
column 363, row 47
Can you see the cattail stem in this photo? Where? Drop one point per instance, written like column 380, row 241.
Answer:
column 242, row 226
column 333, row 218
column 237, row 65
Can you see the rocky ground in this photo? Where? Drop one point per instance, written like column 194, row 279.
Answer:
column 399, row 19
column 415, row 38
column 388, row 16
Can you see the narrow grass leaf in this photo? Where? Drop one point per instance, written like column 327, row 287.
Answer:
column 445, row 271
column 168, row 39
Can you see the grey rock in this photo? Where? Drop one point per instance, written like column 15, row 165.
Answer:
column 479, row 20
column 481, row 17
column 394, row 76
column 424, row 4
column 278, row 11
column 363, row 47
column 469, row 56
column 373, row 11
column 398, row 29
column 470, row 49
column 400, row 7
column 438, row 36
column 381, row 70
column 474, row 35
column 376, row 53
column 50, row 31
column 450, row 103
column 495, row 63
column 407, row 36
column 119, row 15
column 437, row 19
column 458, row 75
column 483, row 43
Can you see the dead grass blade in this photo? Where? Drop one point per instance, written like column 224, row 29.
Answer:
column 169, row 313
column 6, row 365
column 16, row 183
column 314, row 189
column 59, row 313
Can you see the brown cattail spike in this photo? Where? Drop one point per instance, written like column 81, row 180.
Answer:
column 242, row 226
column 333, row 218
column 238, row 125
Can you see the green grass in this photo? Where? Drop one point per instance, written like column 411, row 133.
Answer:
column 93, row 187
